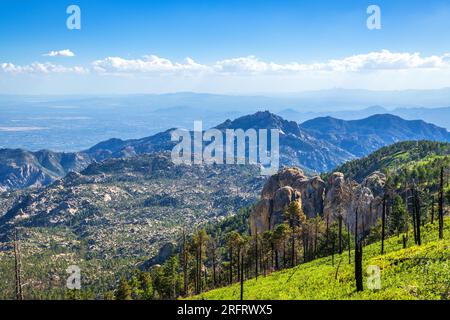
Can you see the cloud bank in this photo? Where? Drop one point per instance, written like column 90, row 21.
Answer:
column 381, row 60
column 250, row 65
column 40, row 68
column 378, row 70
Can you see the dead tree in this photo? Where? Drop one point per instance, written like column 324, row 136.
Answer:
column 256, row 256
column 441, row 206
column 358, row 257
column 327, row 233
column 406, row 222
column 17, row 266
column 231, row 265
column 213, row 245
column 349, row 245
column 242, row 275
column 412, row 209
column 383, row 225
column 340, row 218
column 416, row 204
column 432, row 209
column 185, row 262
column 332, row 251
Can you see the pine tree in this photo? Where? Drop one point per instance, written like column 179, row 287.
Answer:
column 146, row 285
column 234, row 242
column 295, row 218
column 256, row 240
column 170, row 277
column 280, row 234
column 212, row 246
column 199, row 241
column 123, row 292
column 398, row 216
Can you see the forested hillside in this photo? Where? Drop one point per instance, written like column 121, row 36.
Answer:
column 425, row 157
column 409, row 243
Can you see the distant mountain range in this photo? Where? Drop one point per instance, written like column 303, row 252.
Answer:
column 317, row 145
column 361, row 137
column 73, row 123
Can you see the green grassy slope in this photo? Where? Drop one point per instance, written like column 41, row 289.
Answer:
column 417, row 272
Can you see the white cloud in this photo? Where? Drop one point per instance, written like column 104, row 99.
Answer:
column 148, row 64
column 375, row 70
column 386, row 60
column 60, row 53
column 40, row 68
column 380, row 60
column 251, row 65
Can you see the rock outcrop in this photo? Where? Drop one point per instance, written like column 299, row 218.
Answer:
column 337, row 198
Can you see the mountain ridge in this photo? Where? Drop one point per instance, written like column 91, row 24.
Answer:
column 317, row 145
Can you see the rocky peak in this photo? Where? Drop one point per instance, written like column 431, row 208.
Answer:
column 337, row 198
column 262, row 120
column 375, row 182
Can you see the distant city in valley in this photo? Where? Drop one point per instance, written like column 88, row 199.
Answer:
column 67, row 124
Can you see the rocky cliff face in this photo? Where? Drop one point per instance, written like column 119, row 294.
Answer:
column 336, row 198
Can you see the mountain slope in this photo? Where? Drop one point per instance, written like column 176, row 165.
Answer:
column 360, row 137
column 22, row 169
column 130, row 207
column 416, row 273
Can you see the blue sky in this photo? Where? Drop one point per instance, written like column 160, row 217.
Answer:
column 270, row 35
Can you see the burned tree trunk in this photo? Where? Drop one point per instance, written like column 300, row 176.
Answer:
column 441, row 206
column 185, row 262
column 214, row 263
column 293, row 247
column 200, row 280
column 256, row 256
column 332, row 251
column 231, row 264
column 383, row 225
column 417, row 212
column 349, row 245
column 327, row 233
column 239, row 264
column 242, row 277
column 432, row 210
column 340, row 234
column 17, row 267
column 358, row 258
column 412, row 210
